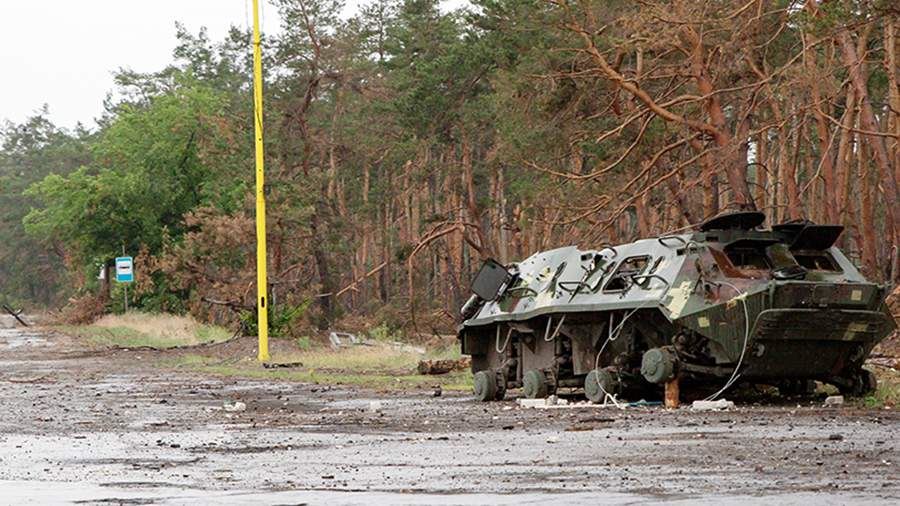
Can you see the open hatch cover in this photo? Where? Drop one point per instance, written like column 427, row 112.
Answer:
column 742, row 220
column 816, row 237
column 491, row 278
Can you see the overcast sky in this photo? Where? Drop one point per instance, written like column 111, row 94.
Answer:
column 63, row 52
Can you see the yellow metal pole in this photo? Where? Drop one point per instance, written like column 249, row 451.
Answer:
column 261, row 280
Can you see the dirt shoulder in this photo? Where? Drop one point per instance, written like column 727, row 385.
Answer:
column 99, row 425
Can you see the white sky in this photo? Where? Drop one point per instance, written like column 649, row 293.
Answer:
column 63, row 52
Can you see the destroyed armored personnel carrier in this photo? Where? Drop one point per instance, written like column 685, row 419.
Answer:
column 727, row 303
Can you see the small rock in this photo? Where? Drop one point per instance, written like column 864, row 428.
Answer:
column 437, row 391
column 235, row 407
column 834, row 400
column 712, row 405
column 375, row 406
column 836, row 437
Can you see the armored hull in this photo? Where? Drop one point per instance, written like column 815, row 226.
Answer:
column 727, row 303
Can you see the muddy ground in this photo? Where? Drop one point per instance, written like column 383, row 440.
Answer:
column 111, row 427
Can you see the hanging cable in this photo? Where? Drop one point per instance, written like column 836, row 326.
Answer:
column 505, row 343
column 742, row 296
column 612, row 335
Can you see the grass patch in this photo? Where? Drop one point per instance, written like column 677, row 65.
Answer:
column 888, row 392
column 134, row 330
column 372, row 367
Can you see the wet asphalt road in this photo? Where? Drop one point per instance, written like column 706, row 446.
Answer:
column 107, row 428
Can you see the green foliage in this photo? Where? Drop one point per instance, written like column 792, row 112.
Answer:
column 32, row 269
column 282, row 318
column 146, row 174
column 304, row 343
column 385, row 332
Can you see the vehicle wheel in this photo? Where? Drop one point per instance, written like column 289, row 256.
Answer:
column 868, row 381
column 797, row 388
column 534, row 384
column 598, row 383
column 485, row 386
column 860, row 383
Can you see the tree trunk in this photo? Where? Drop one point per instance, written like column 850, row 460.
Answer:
column 828, row 202
column 867, row 215
column 730, row 149
column 869, row 124
column 321, row 258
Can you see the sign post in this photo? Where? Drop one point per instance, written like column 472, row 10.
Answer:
column 125, row 274
column 262, row 310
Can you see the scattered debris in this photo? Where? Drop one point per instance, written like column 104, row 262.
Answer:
column 234, row 407
column 554, row 402
column 543, row 403
column 342, row 339
column 284, row 365
column 15, row 314
column 434, row 367
column 712, row 405
column 834, row 400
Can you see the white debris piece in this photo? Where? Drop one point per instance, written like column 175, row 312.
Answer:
column 235, row 407
column 834, row 400
column 341, row 339
column 556, row 401
column 375, row 406
column 712, row 405
column 532, row 403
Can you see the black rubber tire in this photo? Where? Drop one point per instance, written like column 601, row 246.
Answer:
column 869, row 381
column 534, row 384
column 797, row 388
column 859, row 384
column 485, row 386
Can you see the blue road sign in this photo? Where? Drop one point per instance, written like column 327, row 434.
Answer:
column 124, row 269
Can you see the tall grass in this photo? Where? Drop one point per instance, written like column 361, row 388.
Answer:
column 136, row 329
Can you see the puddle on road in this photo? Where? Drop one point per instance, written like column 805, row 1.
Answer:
column 18, row 338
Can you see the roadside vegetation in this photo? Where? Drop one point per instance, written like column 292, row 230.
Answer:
column 380, row 361
column 143, row 330
column 888, row 392
column 378, row 368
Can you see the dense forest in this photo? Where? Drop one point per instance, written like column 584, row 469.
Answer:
column 405, row 144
